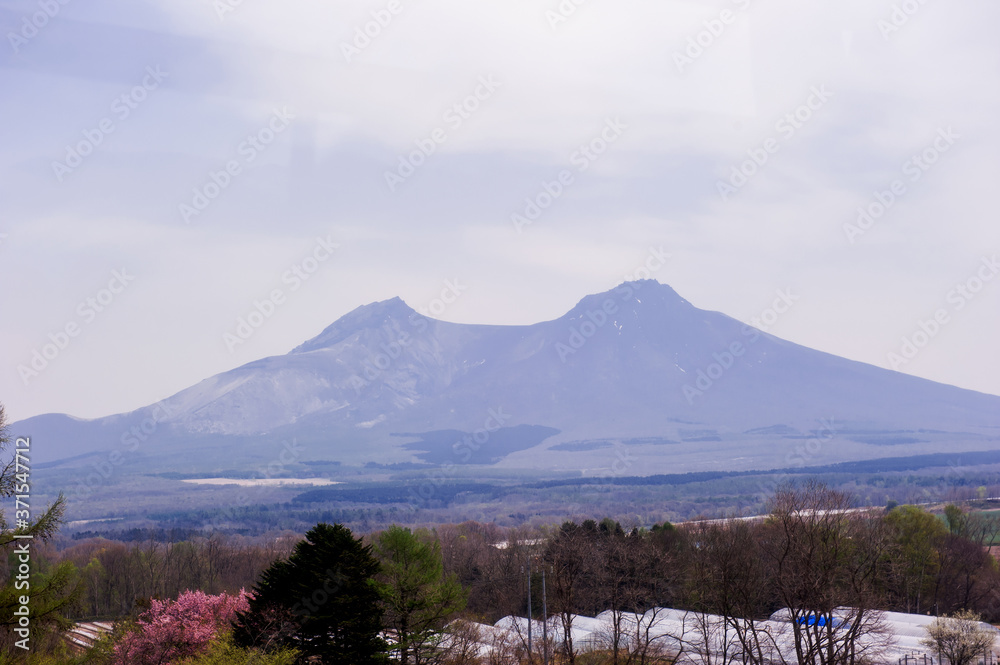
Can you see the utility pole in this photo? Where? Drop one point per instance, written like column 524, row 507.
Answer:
column 531, row 658
column 545, row 621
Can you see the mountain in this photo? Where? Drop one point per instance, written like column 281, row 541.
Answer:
column 634, row 379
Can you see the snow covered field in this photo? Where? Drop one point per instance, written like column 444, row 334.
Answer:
column 262, row 482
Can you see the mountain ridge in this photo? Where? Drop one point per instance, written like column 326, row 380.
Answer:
column 629, row 364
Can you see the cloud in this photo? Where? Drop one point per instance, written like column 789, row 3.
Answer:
column 701, row 87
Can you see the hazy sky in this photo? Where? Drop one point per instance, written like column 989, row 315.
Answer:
column 120, row 222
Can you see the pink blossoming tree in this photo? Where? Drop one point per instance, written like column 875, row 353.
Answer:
column 171, row 630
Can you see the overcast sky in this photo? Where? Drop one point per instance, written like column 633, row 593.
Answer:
column 116, row 115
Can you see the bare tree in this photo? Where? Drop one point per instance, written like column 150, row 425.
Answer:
column 627, row 574
column 827, row 558
column 506, row 648
column 492, row 563
column 569, row 558
column 967, row 576
column 733, row 580
column 646, row 643
column 463, row 643
column 711, row 639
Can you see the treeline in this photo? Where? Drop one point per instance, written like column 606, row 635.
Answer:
column 926, row 563
column 260, row 519
column 814, row 552
column 421, row 498
column 115, row 579
column 903, row 559
column 815, row 555
column 328, row 597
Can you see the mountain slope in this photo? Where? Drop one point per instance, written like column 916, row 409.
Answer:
column 637, row 368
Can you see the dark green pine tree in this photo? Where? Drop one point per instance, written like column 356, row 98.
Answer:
column 322, row 600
